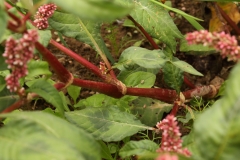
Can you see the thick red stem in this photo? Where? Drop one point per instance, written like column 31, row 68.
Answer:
column 188, row 83
column 78, row 58
column 63, row 74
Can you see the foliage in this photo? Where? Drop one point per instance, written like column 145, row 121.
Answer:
column 118, row 122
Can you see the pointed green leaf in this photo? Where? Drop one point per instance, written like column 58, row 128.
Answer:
column 105, row 152
column 96, row 10
column 7, row 98
column 156, row 21
column 138, row 148
column 149, row 111
column 185, row 67
column 74, row 92
column 220, row 124
column 173, row 76
column 37, row 68
column 47, row 91
column 142, row 57
column 44, row 136
column 106, row 123
column 96, row 100
column 44, row 37
column 82, row 30
column 140, row 79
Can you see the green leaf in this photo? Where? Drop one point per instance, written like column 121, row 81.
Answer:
column 143, row 57
column 3, row 65
column 149, row 111
column 2, row 83
column 197, row 49
column 44, row 89
column 140, row 79
column 3, row 21
column 74, row 92
column 188, row 17
column 96, row 100
column 185, row 67
column 95, row 10
column 173, row 76
column 37, row 68
column 135, row 68
column 7, row 98
column 138, row 148
column 156, row 21
column 44, row 37
column 44, row 136
column 82, row 30
column 105, row 152
column 220, row 124
column 106, row 123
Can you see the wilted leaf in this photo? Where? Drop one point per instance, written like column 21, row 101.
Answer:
column 217, row 22
column 106, row 123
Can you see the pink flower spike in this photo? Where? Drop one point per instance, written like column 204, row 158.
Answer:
column 17, row 54
column 167, row 157
column 171, row 136
column 224, row 43
column 44, row 12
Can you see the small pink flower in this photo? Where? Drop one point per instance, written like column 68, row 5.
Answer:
column 17, row 54
column 42, row 15
column 171, row 137
column 167, row 157
column 224, row 43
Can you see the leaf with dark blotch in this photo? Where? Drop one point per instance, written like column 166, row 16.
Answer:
column 149, row 111
column 106, row 123
column 173, row 76
column 156, row 21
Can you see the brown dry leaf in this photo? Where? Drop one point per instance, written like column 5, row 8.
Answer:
column 217, row 22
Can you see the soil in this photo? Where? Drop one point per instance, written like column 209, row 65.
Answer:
column 118, row 37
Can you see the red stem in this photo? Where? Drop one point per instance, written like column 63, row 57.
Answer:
column 174, row 109
column 63, row 74
column 14, row 106
column 149, row 38
column 78, row 58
